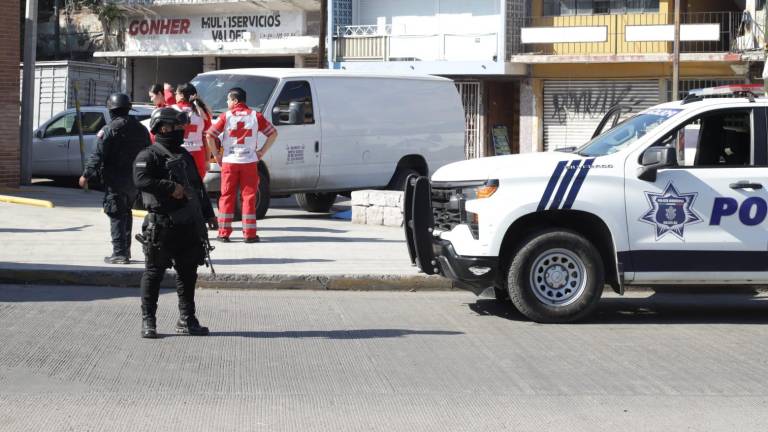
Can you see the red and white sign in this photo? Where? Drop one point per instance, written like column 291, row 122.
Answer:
column 217, row 32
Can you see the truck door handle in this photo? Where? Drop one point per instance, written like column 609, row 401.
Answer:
column 317, row 146
column 746, row 185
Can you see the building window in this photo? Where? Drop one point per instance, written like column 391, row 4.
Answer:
column 596, row 7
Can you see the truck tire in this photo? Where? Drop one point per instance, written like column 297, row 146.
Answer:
column 316, row 202
column 557, row 276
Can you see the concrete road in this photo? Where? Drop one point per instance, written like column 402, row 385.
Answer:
column 71, row 360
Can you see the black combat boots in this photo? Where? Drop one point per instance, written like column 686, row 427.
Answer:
column 148, row 322
column 189, row 325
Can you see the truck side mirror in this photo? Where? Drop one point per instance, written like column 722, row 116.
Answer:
column 654, row 159
column 296, row 113
column 39, row 134
column 276, row 115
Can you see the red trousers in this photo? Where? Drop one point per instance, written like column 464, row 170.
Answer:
column 200, row 161
column 247, row 177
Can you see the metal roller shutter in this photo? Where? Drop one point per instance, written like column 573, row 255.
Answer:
column 572, row 109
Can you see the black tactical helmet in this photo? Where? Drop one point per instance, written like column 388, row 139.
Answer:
column 169, row 116
column 118, row 100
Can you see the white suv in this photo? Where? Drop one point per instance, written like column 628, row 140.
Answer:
column 672, row 195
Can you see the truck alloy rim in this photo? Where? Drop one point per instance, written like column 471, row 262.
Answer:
column 558, row 277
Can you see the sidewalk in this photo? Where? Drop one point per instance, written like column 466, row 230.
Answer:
column 299, row 250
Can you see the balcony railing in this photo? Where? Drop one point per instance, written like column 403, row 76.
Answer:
column 378, row 43
column 630, row 34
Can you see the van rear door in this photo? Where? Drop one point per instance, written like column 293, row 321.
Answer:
column 294, row 160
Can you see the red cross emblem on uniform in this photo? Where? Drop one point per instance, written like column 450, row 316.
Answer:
column 188, row 129
column 241, row 133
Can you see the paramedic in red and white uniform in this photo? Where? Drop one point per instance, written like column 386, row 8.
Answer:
column 238, row 156
column 199, row 122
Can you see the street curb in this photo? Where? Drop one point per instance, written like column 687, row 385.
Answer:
column 26, row 201
column 130, row 278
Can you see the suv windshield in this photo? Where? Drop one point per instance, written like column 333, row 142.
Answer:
column 212, row 89
column 626, row 132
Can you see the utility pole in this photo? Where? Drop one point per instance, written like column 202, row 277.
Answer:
column 28, row 90
column 323, row 33
column 676, row 55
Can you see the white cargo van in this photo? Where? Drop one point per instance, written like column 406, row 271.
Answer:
column 341, row 131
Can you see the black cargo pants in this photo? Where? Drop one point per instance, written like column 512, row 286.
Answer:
column 117, row 206
column 177, row 246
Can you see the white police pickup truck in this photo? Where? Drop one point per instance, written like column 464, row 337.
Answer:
column 672, row 195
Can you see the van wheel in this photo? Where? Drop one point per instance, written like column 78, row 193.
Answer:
column 557, row 276
column 262, row 200
column 401, row 175
column 316, row 202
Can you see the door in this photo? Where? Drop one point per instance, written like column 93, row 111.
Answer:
column 294, row 159
column 50, row 147
column 92, row 122
column 703, row 220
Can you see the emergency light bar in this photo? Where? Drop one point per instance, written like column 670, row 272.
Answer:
column 754, row 89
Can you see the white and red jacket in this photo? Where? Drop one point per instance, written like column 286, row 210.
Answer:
column 238, row 129
column 194, row 131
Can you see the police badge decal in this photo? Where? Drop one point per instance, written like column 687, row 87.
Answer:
column 670, row 212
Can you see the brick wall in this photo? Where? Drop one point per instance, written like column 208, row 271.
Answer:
column 9, row 94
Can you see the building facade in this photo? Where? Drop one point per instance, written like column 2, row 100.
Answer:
column 586, row 56
column 466, row 41
column 174, row 40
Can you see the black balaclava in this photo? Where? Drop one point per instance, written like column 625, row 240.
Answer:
column 171, row 140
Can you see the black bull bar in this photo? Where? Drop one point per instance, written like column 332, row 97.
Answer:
column 437, row 256
column 419, row 223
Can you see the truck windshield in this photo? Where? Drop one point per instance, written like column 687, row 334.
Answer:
column 625, row 133
column 212, row 89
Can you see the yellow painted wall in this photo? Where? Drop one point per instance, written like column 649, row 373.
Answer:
column 631, row 70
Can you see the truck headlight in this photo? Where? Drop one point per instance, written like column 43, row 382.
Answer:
column 482, row 190
column 475, row 192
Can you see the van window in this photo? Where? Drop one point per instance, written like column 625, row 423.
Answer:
column 212, row 89
column 296, row 91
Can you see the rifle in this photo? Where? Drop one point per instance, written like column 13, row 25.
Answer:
column 192, row 212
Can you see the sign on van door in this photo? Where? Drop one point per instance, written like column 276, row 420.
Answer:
column 294, row 159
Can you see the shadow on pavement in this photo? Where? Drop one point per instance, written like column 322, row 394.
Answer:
column 318, row 239
column 304, row 229
column 270, row 261
column 659, row 308
column 336, row 334
column 64, row 293
column 38, row 230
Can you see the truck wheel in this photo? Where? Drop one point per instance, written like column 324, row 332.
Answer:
column 557, row 276
column 316, row 202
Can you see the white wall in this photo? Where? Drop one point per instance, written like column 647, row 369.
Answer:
column 436, row 29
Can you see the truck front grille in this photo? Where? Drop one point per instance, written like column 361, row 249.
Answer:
column 447, row 213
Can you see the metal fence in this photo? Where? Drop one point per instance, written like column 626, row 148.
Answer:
column 471, row 99
column 617, row 42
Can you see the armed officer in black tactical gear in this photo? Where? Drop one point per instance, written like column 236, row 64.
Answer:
column 117, row 146
column 174, row 232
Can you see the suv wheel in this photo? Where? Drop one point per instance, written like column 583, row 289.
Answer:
column 557, row 276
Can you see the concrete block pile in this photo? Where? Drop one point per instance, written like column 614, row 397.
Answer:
column 377, row 207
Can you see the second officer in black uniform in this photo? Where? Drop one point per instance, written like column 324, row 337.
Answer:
column 118, row 144
column 174, row 231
